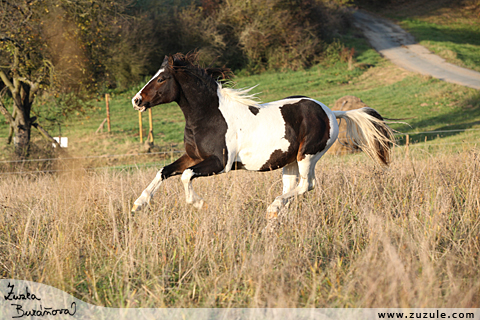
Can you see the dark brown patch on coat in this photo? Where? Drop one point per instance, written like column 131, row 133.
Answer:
column 237, row 165
column 254, row 110
column 307, row 129
column 279, row 159
column 295, row 97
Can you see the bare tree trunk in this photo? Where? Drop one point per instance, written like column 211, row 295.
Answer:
column 20, row 127
column 21, row 140
column 23, row 93
column 22, row 123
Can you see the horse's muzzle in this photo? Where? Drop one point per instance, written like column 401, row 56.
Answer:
column 137, row 103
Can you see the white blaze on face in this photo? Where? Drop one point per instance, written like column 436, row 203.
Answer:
column 138, row 96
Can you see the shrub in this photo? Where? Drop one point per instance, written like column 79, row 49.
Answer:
column 252, row 35
column 279, row 34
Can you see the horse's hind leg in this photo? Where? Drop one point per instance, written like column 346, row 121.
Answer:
column 306, row 170
column 290, row 180
column 290, row 176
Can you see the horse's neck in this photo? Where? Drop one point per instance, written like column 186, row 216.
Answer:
column 199, row 108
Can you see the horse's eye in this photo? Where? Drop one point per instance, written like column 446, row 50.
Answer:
column 161, row 79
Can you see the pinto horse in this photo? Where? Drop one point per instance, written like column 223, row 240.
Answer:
column 227, row 129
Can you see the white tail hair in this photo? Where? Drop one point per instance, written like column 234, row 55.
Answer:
column 367, row 130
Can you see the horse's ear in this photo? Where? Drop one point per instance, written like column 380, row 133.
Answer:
column 165, row 61
column 170, row 61
column 220, row 73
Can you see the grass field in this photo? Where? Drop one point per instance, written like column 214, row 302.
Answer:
column 405, row 237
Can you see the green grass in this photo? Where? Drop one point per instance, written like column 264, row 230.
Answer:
column 450, row 30
column 458, row 43
column 429, row 104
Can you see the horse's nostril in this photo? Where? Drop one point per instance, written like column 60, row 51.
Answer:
column 137, row 101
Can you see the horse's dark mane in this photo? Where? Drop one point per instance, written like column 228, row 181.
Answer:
column 188, row 62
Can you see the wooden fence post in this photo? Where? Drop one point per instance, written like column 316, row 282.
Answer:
column 150, row 122
column 140, row 126
column 407, row 145
column 107, row 97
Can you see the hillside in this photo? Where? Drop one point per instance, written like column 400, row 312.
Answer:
column 430, row 105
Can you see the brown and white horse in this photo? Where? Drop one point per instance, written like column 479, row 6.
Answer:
column 226, row 129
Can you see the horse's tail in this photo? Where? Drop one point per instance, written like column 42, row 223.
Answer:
column 367, row 130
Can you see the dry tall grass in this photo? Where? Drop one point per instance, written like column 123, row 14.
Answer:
column 408, row 236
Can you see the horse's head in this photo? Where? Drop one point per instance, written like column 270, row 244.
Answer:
column 162, row 88
column 178, row 75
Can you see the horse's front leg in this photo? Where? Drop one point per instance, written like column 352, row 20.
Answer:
column 208, row 167
column 172, row 169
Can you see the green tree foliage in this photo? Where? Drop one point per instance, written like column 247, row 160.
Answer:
column 50, row 48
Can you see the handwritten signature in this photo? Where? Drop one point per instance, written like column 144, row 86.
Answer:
column 34, row 312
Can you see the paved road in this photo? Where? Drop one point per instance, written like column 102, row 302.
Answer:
column 397, row 45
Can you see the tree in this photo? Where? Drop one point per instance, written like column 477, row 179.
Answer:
column 22, row 69
column 50, row 46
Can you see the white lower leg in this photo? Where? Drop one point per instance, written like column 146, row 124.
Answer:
column 306, row 171
column 190, row 195
column 290, row 177
column 148, row 193
column 283, row 200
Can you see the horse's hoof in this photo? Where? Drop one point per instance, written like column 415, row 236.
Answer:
column 198, row 204
column 271, row 215
column 137, row 208
column 274, row 209
column 272, row 226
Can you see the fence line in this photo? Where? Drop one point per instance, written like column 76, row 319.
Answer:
column 180, row 151
column 105, row 156
column 432, row 144
column 434, row 131
column 127, row 166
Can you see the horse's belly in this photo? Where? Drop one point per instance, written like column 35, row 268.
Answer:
column 258, row 152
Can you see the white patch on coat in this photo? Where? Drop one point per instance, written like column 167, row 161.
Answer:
column 333, row 134
column 251, row 139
